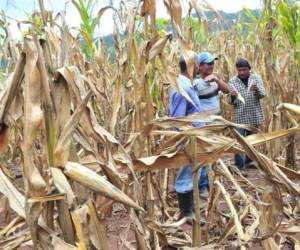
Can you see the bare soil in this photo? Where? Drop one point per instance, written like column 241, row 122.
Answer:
column 120, row 231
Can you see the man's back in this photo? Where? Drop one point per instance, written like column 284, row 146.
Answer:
column 179, row 105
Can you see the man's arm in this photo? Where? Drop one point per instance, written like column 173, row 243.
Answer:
column 223, row 86
column 231, row 97
column 258, row 87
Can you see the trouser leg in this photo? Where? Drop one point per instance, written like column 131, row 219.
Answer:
column 239, row 158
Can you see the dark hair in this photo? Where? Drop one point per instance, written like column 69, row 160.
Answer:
column 242, row 63
column 182, row 64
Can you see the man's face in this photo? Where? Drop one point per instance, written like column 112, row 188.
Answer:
column 206, row 69
column 243, row 72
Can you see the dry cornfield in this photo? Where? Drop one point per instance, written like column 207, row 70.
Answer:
column 85, row 131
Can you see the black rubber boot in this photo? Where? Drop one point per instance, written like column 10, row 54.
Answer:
column 186, row 204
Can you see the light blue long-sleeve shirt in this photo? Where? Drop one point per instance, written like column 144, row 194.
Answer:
column 212, row 104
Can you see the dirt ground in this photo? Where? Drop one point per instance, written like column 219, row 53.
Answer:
column 118, row 223
column 120, row 231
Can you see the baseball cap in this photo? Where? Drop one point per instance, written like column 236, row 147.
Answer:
column 205, row 57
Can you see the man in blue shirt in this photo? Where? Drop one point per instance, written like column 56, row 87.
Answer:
column 179, row 107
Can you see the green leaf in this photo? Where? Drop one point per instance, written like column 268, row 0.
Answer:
column 87, row 25
column 288, row 28
column 297, row 57
column 283, row 9
column 297, row 36
column 250, row 15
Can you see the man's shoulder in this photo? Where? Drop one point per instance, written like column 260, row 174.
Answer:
column 233, row 79
column 184, row 83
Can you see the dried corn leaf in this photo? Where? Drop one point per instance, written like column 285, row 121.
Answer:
column 159, row 46
column 61, row 152
column 79, row 217
column 97, row 183
column 15, row 198
column 175, row 11
column 54, row 197
column 59, row 244
column 295, row 109
column 33, row 117
column 62, row 184
column 9, row 93
column 97, row 229
column 149, row 8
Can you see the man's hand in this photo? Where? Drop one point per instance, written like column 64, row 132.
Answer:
column 253, row 87
column 234, row 93
column 211, row 78
column 223, row 86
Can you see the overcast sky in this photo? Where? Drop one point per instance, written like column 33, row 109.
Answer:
column 18, row 9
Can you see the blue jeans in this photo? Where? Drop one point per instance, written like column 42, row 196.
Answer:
column 240, row 160
column 184, row 180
